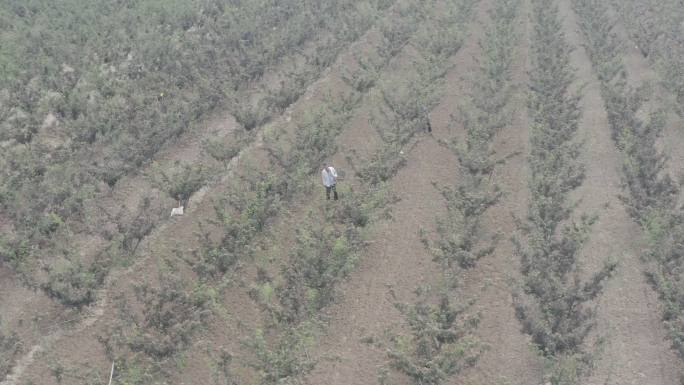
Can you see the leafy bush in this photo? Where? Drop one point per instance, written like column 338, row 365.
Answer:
column 181, row 182
column 287, row 361
column 322, row 257
column 241, row 216
column 225, row 149
column 141, row 225
column 441, row 343
column 656, row 28
column 650, row 193
column 460, row 232
column 75, row 284
column 554, row 306
column 170, row 313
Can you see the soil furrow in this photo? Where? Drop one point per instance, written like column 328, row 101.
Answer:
column 635, row 349
column 492, row 280
column 397, row 262
column 178, row 234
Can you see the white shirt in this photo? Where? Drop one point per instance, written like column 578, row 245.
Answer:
column 329, row 176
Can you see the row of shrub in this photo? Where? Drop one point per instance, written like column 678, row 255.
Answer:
column 180, row 181
column 461, row 239
column 328, row 247
column 325, row 249
column 114, row 106
column 441, row 343
column 657, row 27
column 650, row 194
column 555, row 305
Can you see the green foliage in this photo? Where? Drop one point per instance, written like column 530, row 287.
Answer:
column 650, row 193
column 656, row 26
column 131, row 372
column 459, row 231
column 287, row 360
column 225, row 149
column 222, row 374
column 367, row 74
column 10, row 348
column 180, row 182
column 554, row 307
column 460, row 234
column 116, row 93
column 240, row 217
column 441, row 342
column 141, row 225
column 16, row 252
column 647, row 186
column 171, row 311
column 322, row 257
column 446, row 34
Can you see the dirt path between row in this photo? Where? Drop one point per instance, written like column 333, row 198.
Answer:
column 76, row 345
column 636, row 350
column 493, row 279
column 640, row 72
column 397, row 262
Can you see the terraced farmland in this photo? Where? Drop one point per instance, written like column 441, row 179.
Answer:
column 510, row 192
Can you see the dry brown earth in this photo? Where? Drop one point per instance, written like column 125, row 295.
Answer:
column 636, row 350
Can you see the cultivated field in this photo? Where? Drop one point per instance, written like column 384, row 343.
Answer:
column 510, row 207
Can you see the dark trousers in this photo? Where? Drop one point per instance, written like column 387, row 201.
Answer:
column 327, row 192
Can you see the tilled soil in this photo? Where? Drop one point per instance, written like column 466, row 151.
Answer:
column 636, row 350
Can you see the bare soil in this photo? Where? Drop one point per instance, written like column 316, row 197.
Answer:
column 397, row 263
column 636, row 350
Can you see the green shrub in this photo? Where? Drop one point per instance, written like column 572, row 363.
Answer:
column 322, row 257
column 285, row 360
column 650, row 193
column 132, row 232
column 441, row 342
column 180, row 182
column 75, row 284
column 554, row 306
column 171, row 312
column 225, row 149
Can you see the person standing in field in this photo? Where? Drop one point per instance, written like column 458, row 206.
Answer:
column 426, row 120
column 329, row 177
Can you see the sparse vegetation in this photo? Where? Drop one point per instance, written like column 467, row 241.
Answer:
column 555, row 306
column 112, row 113
column 650, row 193
column 460, row 233
column 657, row 27
column 114, row 106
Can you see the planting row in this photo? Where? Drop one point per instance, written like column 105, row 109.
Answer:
column 398, row 112
column 657, row 27
column 113, row 107
column 441, row 342
column 325, row 250
column 554, row 305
